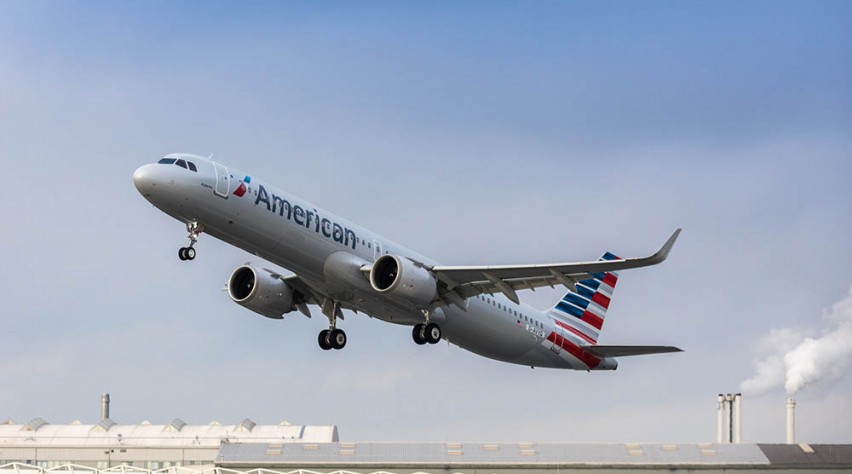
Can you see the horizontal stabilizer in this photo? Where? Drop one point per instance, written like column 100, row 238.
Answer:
column 623, row 351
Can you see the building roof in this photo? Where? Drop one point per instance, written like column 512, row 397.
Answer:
column 813, row 455
column 281, row 456
column 177, row 433
column 398, row 454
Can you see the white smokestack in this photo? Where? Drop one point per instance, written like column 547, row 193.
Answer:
column 104, row 406
column 738, row 418
column 720, row 419
column 791, row 421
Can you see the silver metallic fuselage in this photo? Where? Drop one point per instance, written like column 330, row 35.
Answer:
column 487, row 327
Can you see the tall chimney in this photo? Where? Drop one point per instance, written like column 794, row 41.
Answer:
column 104, row 406
column 791, row 421
column 738, row 418
column 729, row 418
column 720, row 419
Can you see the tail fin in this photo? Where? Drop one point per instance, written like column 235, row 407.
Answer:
column 582, row 311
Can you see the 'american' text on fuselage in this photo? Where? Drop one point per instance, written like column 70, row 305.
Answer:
column 306, row 218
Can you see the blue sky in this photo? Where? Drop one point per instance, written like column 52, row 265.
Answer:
column 492, row 132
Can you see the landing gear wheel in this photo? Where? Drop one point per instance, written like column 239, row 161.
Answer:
column 324, row 339
column 186, row 253
column 338, row 339
column 432, row 333
column 418, row 334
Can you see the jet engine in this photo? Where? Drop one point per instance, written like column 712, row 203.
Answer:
column 260, row 291
column 402, row 279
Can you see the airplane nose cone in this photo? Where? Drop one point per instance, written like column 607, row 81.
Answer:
column 142, row 178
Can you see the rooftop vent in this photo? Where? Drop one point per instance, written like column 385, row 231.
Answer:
column 34, row 424
column 104, row 425
column 175, row 426
column 246, row 426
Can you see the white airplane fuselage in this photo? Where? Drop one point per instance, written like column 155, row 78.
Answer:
column 325, row 251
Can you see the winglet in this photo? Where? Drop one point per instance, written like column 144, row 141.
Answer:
column 663, row 253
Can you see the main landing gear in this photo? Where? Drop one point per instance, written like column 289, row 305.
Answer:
column 426, row 332
column 193, row 229
column 332, row 338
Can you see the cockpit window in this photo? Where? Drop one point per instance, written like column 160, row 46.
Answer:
column 191, row 166
column 166, row 161
column 181, row 163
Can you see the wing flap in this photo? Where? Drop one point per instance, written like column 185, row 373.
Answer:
column 624, row 351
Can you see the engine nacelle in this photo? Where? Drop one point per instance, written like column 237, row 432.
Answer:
column 403, row 280
column 260, row 291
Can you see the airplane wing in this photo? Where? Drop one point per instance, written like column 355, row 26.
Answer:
column 624, row 351
column 468, row 281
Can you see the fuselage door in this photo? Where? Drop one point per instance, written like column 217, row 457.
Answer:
column 377, row 250
column 557, row 339
column 222, row 180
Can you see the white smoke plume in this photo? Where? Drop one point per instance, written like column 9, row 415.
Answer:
column 793, row 360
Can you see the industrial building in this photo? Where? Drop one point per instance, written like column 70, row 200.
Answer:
column 246, row 448
column 144, row 446
column 38, row 447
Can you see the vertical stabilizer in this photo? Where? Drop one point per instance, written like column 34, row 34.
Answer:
column 581, row 312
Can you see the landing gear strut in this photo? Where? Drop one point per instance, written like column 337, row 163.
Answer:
column 193, row 229
column 331, row 338
column 426, row 332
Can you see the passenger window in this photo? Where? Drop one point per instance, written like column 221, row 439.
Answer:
column 166, row 161
column 181, row 163
column 192, row 166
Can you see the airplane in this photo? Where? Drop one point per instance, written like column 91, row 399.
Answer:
column 338, row 265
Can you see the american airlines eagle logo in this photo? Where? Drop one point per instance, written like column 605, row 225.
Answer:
column 241, row 189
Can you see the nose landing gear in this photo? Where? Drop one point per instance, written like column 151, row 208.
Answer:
column 194, row 229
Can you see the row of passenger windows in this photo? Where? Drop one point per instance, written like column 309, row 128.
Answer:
column 511, row 311
column 182, row 163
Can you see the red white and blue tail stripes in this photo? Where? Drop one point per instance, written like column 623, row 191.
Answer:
column 581, row 313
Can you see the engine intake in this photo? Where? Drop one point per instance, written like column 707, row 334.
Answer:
column 260, row 291
column 403, row 280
